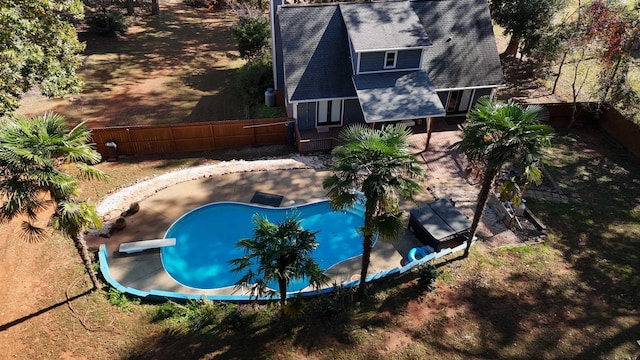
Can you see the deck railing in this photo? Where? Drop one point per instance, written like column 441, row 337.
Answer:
column 320, row 144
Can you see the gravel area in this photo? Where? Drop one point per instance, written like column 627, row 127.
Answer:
column 121, row 199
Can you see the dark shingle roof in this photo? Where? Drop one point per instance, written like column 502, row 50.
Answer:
column 397, row 96
column 464, row 52
column 316, row 53
column 383, row 26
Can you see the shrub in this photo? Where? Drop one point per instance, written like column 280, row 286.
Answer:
column 197, row 3
column 252, row 34
column 108, row 23
column 168, row 310
column 334, row 305
column 253, row 78
column 118, row 299
column 427, row 275
column 202, row 313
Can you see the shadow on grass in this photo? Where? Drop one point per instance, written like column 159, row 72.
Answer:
column 328, row 321
column 175, row 67
column 42, row 311
column 598, row 231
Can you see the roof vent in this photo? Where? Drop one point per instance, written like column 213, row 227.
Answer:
column 449, row 39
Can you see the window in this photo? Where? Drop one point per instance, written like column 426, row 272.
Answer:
column 390, row 58
column 329, row 113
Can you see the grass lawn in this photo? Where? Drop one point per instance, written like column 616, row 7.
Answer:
column 574, row 297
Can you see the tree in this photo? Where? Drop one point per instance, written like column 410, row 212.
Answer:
column 522, row 19
column 252, row 79
column 36, row 158
column 496, row 134
column 613, row 28
column 278, row 253
column 38, row 46
column 252, row 34
column 377, row 163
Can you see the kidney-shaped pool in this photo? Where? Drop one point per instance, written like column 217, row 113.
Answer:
column 206, row 240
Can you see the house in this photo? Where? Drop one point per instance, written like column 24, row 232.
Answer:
column 380, row 62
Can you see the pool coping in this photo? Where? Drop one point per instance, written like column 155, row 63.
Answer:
column 163, row 295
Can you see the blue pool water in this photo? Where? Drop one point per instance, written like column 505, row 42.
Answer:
column 206, row 240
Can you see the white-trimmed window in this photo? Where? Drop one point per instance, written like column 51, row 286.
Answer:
column 390, row 58
column 329, row 113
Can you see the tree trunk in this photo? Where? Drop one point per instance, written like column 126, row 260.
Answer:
column 429, row 131
column 130, row 10
column 81, row 247
column 555, row 82
column 282, row 284
column 366, row 259
column 367, row 243
column 155, row 7
column 608, row 85
column 512, row 48
column 576, row 92
column 487, row 180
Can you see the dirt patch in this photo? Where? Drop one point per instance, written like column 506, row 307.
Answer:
column 175, row 67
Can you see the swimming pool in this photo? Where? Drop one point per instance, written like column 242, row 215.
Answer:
column 206, row 240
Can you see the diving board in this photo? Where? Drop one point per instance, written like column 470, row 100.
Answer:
column 137, row 246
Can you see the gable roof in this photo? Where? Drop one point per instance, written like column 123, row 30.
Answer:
column 464, row 51
column 316, row 53
column 379, row 26
column 317, row 57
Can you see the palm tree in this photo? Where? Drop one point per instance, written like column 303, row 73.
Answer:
column 496, row 134
column 36, row 157
column 279, row 253
column 377, row 163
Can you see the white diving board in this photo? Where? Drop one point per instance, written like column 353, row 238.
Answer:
column 137, row 246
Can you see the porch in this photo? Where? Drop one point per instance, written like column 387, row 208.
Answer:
column 312, row 140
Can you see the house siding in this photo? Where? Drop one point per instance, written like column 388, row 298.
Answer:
column 352, row 112
column 278, row 67
column 374, row 61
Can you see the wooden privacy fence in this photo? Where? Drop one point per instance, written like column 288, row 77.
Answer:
column 171, row 138
column 616, row 125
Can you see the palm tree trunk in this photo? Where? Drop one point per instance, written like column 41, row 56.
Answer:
column 487, row 180
column 81, row 246
column 282, row 285
column 367, row 243
column 366, row 259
